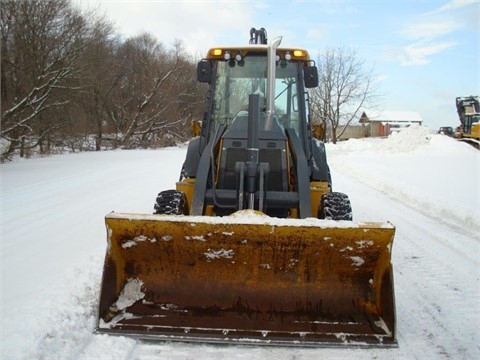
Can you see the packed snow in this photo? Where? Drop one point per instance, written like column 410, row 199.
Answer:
column 53, row 242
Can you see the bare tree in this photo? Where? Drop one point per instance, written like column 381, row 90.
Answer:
column 98, row 81
column 189, row 96
column 67, row 78
column 345, row 87
column 147, row 93
column 41, row 43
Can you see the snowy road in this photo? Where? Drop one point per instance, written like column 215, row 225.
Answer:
column 53, row 243
column 434, row 272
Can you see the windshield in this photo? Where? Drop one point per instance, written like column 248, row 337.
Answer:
column 235, row 81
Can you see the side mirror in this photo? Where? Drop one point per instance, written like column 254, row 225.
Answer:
column 310, row 76
column 204, row 71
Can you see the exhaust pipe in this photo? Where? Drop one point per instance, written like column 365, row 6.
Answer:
column 271, row 59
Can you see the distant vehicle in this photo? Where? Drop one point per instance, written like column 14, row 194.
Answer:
column 446, row 130
column 468, row 109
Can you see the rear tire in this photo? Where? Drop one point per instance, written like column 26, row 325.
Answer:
column 171, row 202
column 335, row 206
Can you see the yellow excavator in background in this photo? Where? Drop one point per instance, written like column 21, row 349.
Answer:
column 468, row 109
column 252, row 246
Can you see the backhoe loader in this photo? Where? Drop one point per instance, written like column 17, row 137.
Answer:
column 468, row 109
column 252, row 246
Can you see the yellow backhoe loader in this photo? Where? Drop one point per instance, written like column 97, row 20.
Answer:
column 252, row 246
column 468, row 109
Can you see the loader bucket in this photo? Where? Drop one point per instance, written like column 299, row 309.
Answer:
column 248, row 278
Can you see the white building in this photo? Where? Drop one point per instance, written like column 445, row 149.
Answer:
column 383, row 123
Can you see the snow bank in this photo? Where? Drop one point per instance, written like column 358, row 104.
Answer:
column 406, row 140
column 432, row 173
column 71, row 309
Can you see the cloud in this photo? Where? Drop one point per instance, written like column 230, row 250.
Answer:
column 428, row 30
column 316, row 34
column 199, row 24
column 418, row 54
column 381, row 78
column 455, row 4
column 431, row 32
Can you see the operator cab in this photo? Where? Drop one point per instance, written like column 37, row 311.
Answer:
column 233, row 79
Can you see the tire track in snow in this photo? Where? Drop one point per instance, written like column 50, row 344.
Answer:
column 436, row 276
column 436, row 300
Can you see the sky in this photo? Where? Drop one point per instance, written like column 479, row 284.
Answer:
column 423, row 53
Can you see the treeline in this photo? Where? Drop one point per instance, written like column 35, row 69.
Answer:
column 69, row 82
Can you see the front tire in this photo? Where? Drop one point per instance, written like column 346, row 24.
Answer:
column 335, row 206
column 171, row 202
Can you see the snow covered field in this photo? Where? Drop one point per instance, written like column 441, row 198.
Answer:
column 53, row 242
